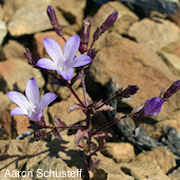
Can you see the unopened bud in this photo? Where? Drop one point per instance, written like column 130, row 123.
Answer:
column 39, row 134
column 84, row 35
column 28, row 55
column 83, row 47
column 96, row 34
column 130, row 90
column 53, row 19
column 92, row 53
column 109, row 22
column 172, row 90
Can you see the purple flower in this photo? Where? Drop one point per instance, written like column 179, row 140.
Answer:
column 152, row 106
column 30, row 105
column 64, row 62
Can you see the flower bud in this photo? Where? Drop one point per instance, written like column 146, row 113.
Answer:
column 109, row 22
column 130, row 90
column 172, row 90
column 28, row 55
column 83, row 47
column 92, row 53
column 54, row 21
column 84, row 35
column 39, row 134
column 152, row 106
column 96, row 34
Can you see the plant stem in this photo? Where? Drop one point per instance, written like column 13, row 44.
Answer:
column 110, row 123
column 75, row 95
column 69, row 86
column 64, row 127
column 109, row 100
column 84, row 87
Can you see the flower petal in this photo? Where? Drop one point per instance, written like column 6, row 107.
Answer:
column 67, row 75
column 46, row 99
column 20, row 100
column 46, row 63
column 53, row 49
column 17, row 111
column 32, row 92
column 71, row 47
column 80, row 60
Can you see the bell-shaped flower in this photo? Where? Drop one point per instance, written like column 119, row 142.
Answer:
column 152, row 106
column 31, row 105
column 63, row 62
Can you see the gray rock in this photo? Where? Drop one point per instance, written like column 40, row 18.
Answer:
column 175, row 175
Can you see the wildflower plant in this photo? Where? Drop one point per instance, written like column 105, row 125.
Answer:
column 63, row 62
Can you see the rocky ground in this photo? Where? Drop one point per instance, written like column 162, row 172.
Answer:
column 139, row 49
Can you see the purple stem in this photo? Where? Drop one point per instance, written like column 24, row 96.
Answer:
column 69, row 86
column 110, row 123
column 63, row 127
column 109, row 100
column 84, row 88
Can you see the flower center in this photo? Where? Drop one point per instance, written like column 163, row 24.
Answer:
column 64, row 66
column 32, row 110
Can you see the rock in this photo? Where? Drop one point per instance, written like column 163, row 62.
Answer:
column 175, row 174
column 11, row 6
column 15, row 74
column 13, row 156
column 59, row 166
column 175, row 17
column 3, row 134
column 125, row 18
column 4, row 101
column 172, row 61
column 62, row 91
column 144, row 170
column 7, row 123
column 38, row 48
column 108, row 172
column 132, row 64
column 22, row 22
column 173, row 48
column 1, row 12
column 154, row 35
column 72, row 10
column 53, row 154
column 14, row 125
column 31, row 155
column 164, row 158
column 166, row 7
column 120, row 151
column 60, row 109
column 20, row 123
column 14, row 49
column 3, row 31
